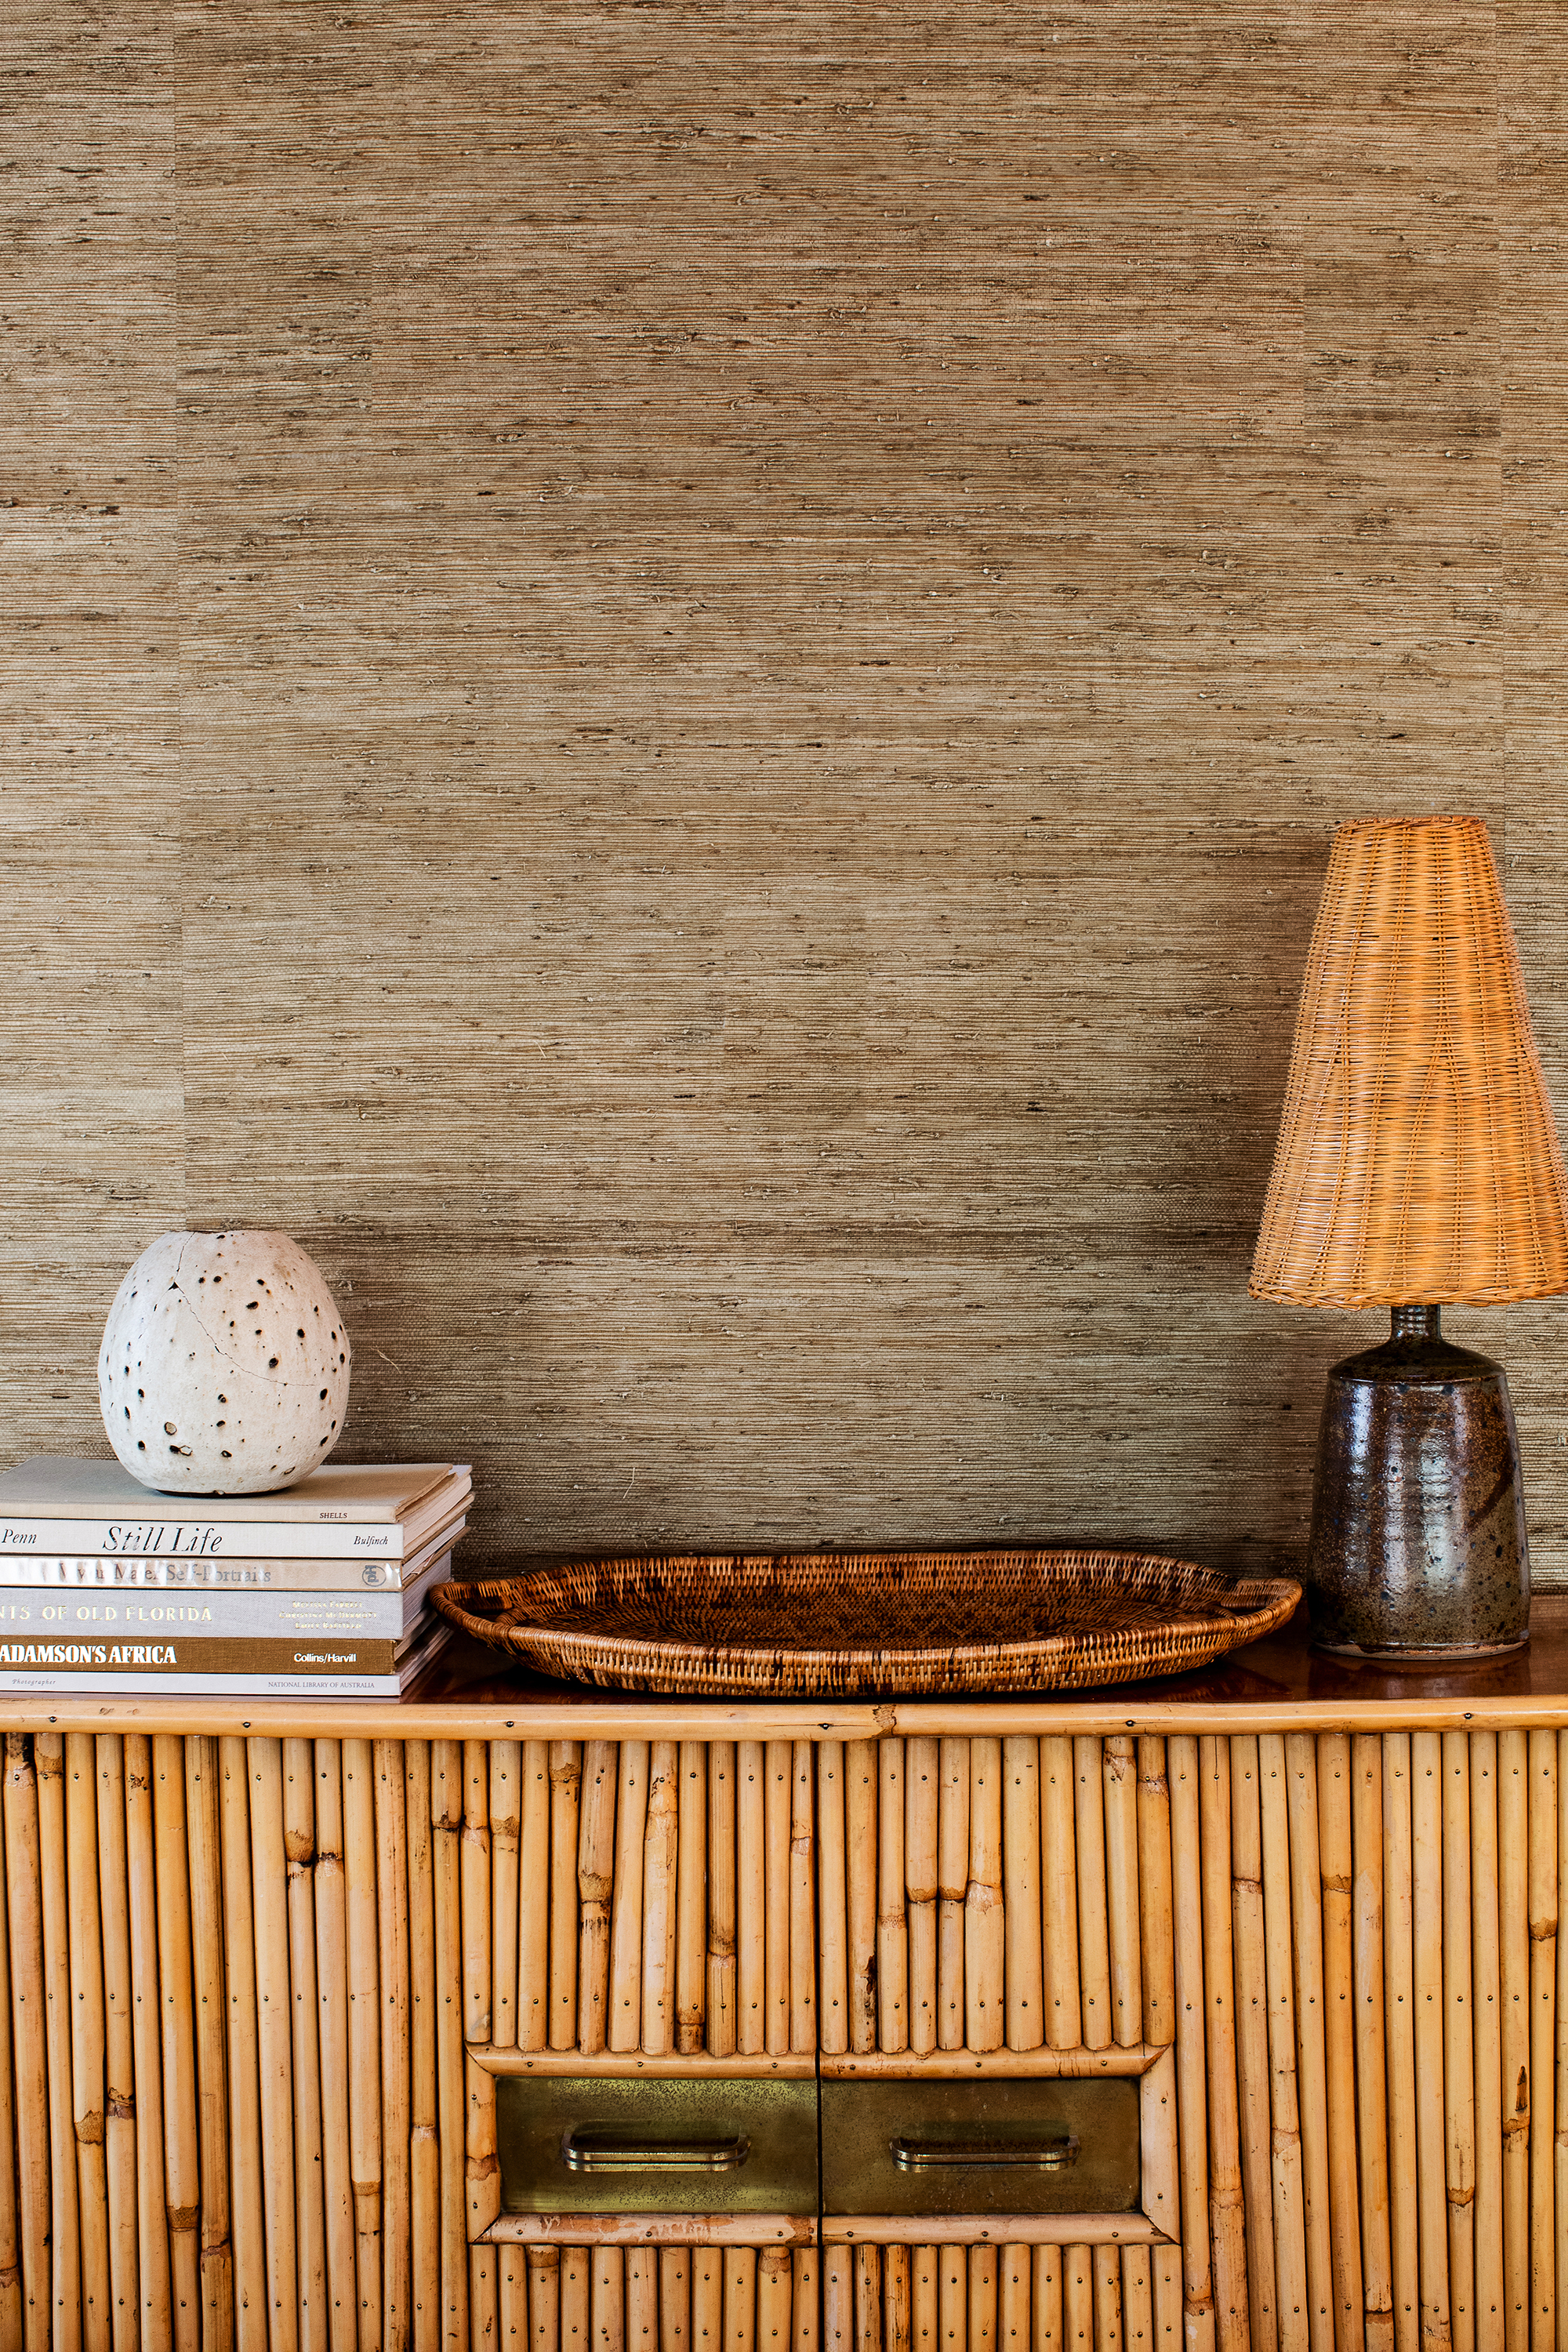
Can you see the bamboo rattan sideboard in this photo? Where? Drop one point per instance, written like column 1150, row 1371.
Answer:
column 266, row 1969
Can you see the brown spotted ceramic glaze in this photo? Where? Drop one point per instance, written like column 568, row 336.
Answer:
column 1418, row 1541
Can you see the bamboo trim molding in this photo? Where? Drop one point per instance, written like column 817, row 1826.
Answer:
column 651, row 2230
column 991, row 2230
column 1004, row 2064
column 623, row 2063
column 589, row 1718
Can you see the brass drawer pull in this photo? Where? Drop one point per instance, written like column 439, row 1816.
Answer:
column 676, row 2144
column 1040, row 2155
column 591, row 2148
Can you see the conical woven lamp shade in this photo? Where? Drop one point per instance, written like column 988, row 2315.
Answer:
column 1417, row 1159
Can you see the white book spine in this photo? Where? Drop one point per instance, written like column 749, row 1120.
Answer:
column 95, row 1572
column 137, row 1615
column 206, row 1538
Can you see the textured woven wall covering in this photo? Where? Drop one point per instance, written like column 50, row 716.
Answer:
column 676, row 680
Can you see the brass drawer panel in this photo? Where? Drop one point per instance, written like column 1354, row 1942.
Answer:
column 595, row 2144
column 1041, row 2146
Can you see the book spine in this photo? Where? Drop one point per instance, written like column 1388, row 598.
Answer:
column 27, row 1615
column 94, row 1571
column 35, row 1684
column 206, row 1539
column 60, row 1663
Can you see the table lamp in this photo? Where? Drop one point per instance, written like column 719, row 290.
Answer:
column 1417, row 1164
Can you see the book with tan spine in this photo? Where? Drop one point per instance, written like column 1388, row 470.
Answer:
column 170, row 1662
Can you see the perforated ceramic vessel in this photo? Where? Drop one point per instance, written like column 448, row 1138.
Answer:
column 224, row 1365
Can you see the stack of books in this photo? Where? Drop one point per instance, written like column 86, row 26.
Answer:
column 106, row 1586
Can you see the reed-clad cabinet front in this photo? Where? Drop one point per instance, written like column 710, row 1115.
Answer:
column 257, row 1997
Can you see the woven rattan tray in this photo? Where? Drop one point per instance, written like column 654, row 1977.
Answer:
column 801, row 1623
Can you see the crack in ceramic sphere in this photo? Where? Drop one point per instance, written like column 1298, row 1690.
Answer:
column 217, row 1346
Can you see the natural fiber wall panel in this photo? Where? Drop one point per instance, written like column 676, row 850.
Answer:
column 676, row 681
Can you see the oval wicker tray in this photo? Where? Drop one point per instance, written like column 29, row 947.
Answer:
column 841, row 1624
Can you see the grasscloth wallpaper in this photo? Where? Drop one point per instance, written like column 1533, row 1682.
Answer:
column 675, row 679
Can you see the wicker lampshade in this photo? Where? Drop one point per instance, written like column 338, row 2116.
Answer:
column 1417, row 1159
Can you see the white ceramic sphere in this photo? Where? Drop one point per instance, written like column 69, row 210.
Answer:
column 224, row 1365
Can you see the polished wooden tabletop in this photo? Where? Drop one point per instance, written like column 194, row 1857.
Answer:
column 1285, row 1667
column 1280, row 1684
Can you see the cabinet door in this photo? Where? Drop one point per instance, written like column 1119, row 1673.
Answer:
column 649, row 2297
column 1007, row 2296
column 996, row 1897
column 638, row 1899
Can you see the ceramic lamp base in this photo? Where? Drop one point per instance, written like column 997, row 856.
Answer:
column 1418, row 1548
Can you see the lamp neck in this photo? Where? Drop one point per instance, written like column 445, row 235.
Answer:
column 1417, row 1323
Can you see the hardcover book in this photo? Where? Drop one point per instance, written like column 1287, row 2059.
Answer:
column 176, row 1665
column 217, row 1572
column 149, row 1612
column 56, row 1503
